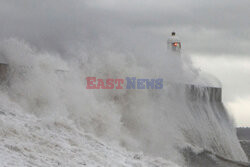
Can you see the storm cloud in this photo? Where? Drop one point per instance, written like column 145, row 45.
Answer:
column 213, row 27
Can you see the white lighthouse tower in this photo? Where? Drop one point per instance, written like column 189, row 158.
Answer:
column 174, row 44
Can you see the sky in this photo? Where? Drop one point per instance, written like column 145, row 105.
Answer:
column 216, row 34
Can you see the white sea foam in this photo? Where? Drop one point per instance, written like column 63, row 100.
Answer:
column 159, row 123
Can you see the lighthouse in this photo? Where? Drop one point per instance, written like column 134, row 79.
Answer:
column 174, row 44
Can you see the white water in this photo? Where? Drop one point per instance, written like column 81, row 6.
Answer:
column 159, row 123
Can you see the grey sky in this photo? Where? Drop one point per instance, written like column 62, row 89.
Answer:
column 214, row 26
column 219, row 26
column 208, row 29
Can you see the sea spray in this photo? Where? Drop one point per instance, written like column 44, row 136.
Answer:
column 157, row 122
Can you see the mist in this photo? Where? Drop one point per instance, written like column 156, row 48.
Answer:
column 83, row 39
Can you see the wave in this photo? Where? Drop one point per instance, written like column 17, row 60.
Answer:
column 158, row 122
